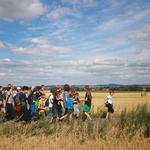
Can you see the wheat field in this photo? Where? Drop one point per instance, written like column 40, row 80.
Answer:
column 121, row 100
column 69, row 137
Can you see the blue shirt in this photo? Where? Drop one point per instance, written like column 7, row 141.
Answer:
column 69, row 104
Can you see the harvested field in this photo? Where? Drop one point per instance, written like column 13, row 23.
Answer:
column 121, row 100
column 127, row 131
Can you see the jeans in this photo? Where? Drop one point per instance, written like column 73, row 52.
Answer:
column 49, row 113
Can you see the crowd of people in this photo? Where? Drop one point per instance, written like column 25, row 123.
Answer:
column 27, row 105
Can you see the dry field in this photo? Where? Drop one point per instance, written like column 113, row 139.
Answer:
column 70, row 142
column 69, row 138
column 121, row 100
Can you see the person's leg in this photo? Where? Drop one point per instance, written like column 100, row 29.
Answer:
column 111, row 112
column 75, row 112
column 111, row 115
column 49, row 113
column 55, row 115
column 26, row 114
column 18, row 107
column 87, row 115
column 78, row 112
column 84, row 117
column 42, row 115
column 70, row 117
column 11, row 111
column 63, row 117
column 107, row 115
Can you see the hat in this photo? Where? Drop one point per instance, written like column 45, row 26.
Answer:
column 58, row 87
column 18, row 88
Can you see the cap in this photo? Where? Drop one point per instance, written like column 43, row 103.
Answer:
column 18, row 88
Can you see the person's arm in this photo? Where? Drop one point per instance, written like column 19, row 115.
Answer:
column 106, row 101
column 86, row 97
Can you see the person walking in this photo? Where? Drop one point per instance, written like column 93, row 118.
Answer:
column 24, row 116
column 76, row 102
column 109, row 105
column 50, row 103
column 2, row 100
column 68, row 107
column 17, row 102
column 10, row 111
column 87, row 103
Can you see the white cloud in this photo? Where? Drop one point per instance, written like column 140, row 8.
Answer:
column 24, row 10
column 39, row 47
column 39, row 41
column 57, row 13
column 2, row 46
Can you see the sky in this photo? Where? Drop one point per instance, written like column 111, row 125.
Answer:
column 78, row 42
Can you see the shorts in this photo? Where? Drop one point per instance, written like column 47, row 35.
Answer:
column 86, row 108
column 68, row 111
column 110, row 108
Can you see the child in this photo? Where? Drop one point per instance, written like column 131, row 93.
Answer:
column 60, row 104
column 109, row 105
column 76, row 102
column 41, row 107
column 51, row 99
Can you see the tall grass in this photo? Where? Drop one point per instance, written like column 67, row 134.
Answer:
column 129, row 130
column 133, row 120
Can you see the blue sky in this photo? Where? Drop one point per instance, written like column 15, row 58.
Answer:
column 74, row 41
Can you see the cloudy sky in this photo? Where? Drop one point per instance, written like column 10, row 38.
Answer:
column 75, row 42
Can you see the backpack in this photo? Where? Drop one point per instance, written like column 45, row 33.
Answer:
column 47, row 102
column 16, row 99
column 30, row 98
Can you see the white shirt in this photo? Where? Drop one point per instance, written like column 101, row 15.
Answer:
column 109, row 99
column 10, row 95
column 51, row 98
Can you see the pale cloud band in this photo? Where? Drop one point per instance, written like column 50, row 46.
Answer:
column 95, row 71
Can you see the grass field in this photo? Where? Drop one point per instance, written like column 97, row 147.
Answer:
column 126, row 132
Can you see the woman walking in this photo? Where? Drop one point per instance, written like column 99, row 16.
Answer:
column 87, row 104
